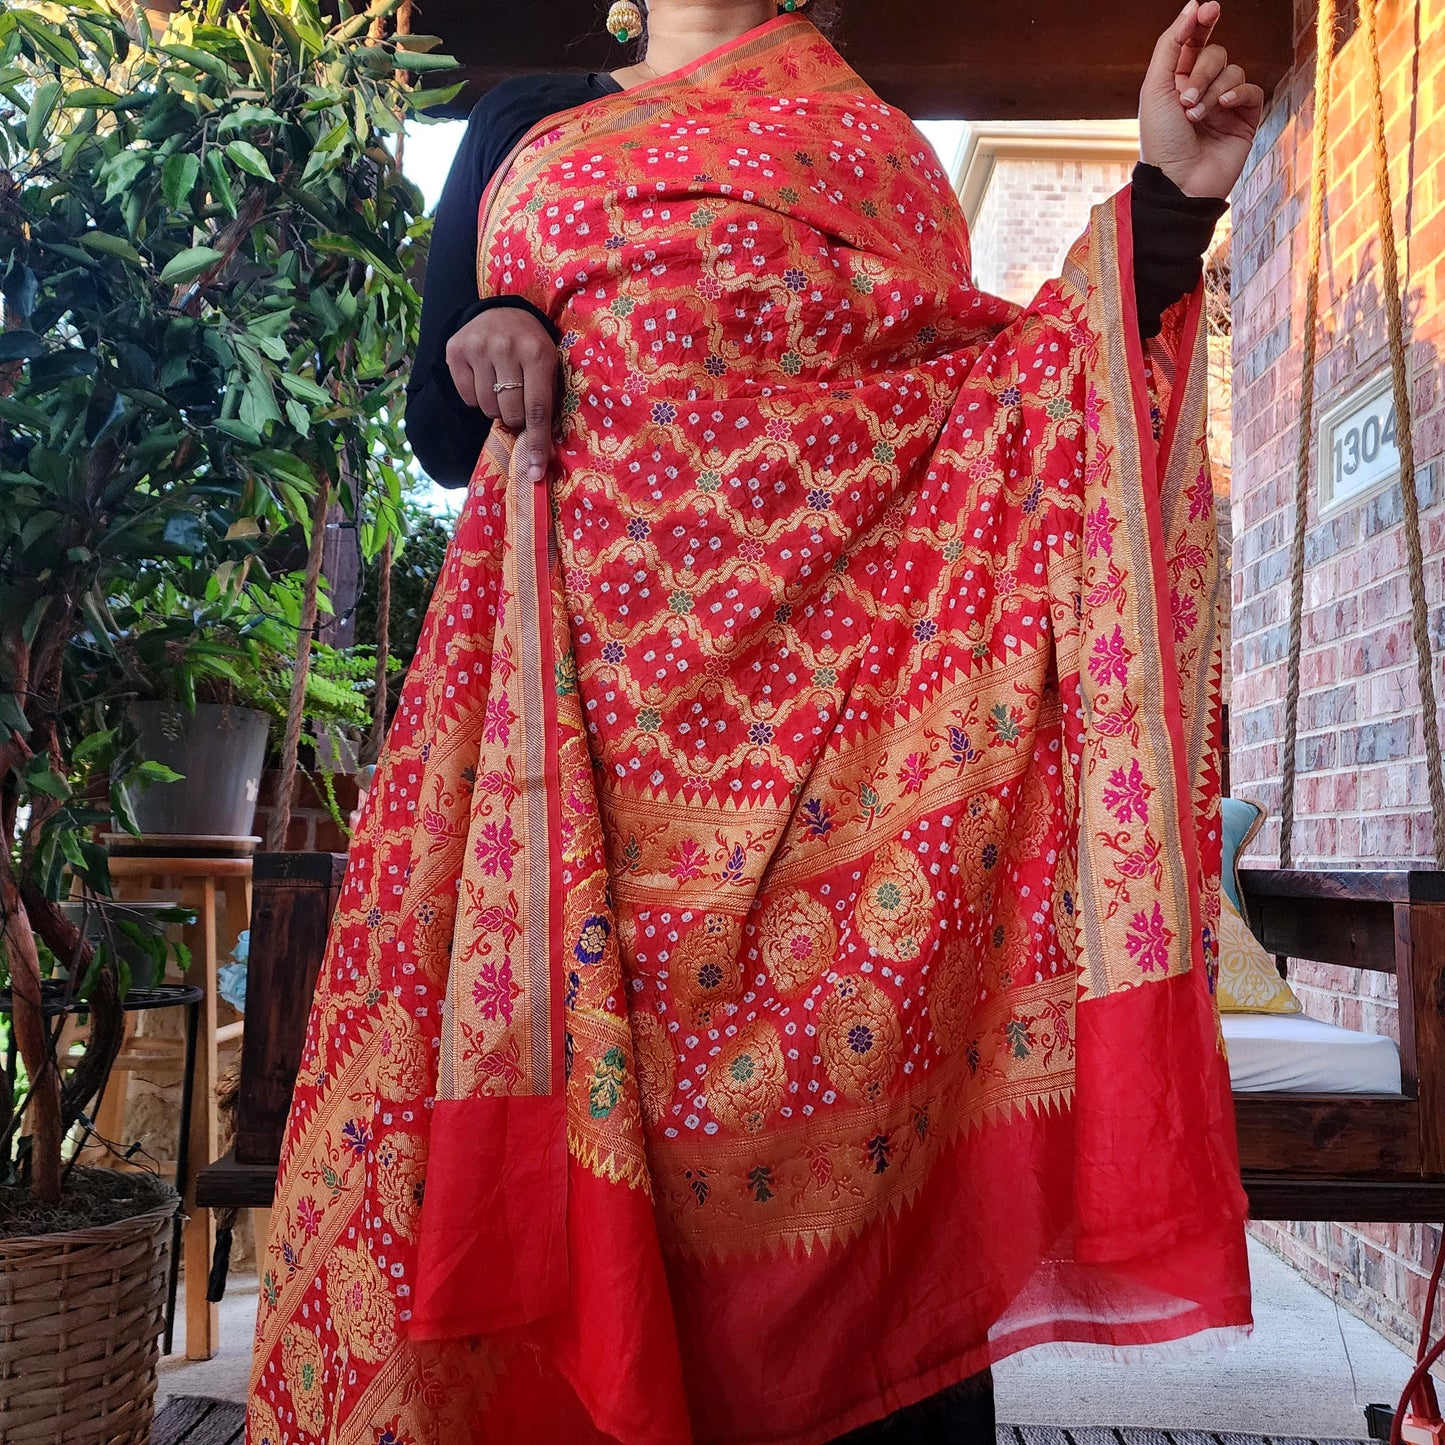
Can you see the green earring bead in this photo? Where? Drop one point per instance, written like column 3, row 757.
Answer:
column 624, row 21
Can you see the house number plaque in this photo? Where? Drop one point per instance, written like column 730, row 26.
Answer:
column 1359, row 450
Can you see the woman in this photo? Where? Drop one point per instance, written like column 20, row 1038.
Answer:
column 773, row 980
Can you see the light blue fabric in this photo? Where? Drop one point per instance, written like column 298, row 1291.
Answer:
column 1239, row 818
column 231, row 976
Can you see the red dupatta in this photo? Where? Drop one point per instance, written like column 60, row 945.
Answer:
column 774, row 975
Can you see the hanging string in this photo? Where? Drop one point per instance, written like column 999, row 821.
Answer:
column 1405, row 431
column 1324, row 55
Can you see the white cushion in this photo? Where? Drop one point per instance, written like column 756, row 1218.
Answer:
column 1290, row 1053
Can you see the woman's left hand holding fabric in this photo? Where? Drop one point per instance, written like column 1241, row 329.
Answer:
column 1198, row 113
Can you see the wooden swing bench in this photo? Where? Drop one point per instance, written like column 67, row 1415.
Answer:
column 1341, row 1157
column 1355, row 1157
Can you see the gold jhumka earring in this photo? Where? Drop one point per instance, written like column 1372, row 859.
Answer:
column 624, row 21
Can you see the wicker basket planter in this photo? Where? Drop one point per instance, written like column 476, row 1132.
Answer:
column 80, row 1321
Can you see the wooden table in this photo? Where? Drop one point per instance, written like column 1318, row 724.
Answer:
column 217, row 888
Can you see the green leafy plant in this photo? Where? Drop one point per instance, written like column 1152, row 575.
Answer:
column 205, row 242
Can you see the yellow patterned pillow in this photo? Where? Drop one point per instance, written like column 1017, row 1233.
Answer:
column 1249, row 982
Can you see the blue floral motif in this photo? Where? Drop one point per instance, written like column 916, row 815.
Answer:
column 357, row 1136
column 593, row 940
column 760, row 734
column 1010, row 396
column 819, row 500
column 817, row 818
column 638, row 529
column 613, row 653
column 794, row 279
column 664, row 413
column 926, row 630
column 574, row 988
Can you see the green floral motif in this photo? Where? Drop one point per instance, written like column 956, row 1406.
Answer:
column 649, row 720
column 862, row 284
column 869, row 803
column 889, row 897
column 680, row 602
column 567, row 675
column 1020, row 1041
column 791, row 363
column 632, row 854
column 788, row 196
column 952, row 551
column 605, row 1092
column 869, row 209
column 1058, row 408
column 271, row 1288
column 623, row 306
column 571, row 403
column 841, row 565
column 536, row 204
column 825, row 677
column 1006, row 724
column 703, row 216
column 709, row 481
column 884, row 452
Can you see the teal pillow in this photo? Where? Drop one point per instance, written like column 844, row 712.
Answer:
column 1242, row 820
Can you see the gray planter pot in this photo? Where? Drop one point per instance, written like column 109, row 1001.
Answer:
column 96, row 917
column 219, row 751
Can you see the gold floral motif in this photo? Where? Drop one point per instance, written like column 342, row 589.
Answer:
column 406, row 1069
column 860, row 1038
column 261, row 1427
column 746, row 1083
column 363, row 1312
column 953, row 991
column 400, row 1181
column 979, row 838
column 895, row 906
column 656, row 1064
column 798, row 939
column 705, row 970
column 1032, row 818
column 304, row 1368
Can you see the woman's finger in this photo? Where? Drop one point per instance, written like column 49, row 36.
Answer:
column 1191, row 32
column 487, row 398
column 1212, row 62
column 510, row 390
column 1225, row 83
column 541, row 396
column 459, row 363
column 1245, row 101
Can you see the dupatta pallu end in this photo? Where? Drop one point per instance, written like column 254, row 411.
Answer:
column 774, row 976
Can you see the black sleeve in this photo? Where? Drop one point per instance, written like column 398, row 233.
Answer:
column 446, row 434
column 1172, row 232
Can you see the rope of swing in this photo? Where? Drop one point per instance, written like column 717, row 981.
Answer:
column 1395, row 324
column 1405, row 431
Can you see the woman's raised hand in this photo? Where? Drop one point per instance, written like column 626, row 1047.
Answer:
column 1197, row 112
column 504, row 363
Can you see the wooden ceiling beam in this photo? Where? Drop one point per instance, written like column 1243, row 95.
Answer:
column 935, row 59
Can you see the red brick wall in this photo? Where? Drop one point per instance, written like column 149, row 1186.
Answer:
column 312, row 828
column 1361, row 796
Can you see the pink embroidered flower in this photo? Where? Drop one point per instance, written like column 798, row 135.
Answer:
column 308, row 1216
column 1127, row 794
column 779, row 430
column 1186, row 615
column 688, row 860
column 751, row 551
column 1148, row 940
column 912, row 774
column 1110, row 659
column 1201, row 496
column 1099, row 531
column 496, row 848
column 577, row 580
column 753, row 79
column 709, row 288
column 1093, row 412
column 496, row 991
column 496, row 726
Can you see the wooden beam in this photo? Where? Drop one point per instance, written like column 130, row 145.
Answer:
column 935, row 59
column 1329, row 1135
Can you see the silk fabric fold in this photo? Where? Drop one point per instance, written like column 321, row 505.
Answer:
column 773, row 978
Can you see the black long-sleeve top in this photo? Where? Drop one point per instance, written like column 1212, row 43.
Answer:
column 1171, row 233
